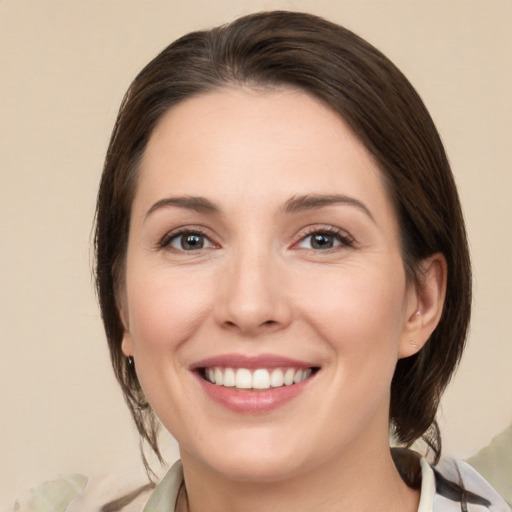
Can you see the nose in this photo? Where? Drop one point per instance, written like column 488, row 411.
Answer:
column 253, row 299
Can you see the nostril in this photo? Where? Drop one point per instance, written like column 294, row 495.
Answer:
column 268, row 323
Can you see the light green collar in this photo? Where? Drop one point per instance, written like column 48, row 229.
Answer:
column 166, row 492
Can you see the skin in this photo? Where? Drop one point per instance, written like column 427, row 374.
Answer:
column 259, row 286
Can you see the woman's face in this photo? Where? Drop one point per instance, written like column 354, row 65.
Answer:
column 264, row 250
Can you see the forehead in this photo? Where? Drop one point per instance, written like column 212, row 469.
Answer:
column 254, row 143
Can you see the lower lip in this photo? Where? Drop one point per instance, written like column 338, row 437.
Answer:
column 253, row 402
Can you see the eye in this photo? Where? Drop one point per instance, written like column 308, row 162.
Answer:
column 187, row 241
column 325, row 239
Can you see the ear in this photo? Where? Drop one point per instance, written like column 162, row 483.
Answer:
column 127, row 342
column 424, row 305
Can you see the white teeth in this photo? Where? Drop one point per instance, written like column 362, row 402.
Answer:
column 261, row 378
column 229, row 378
column 297, row 377
column 288, row 376
column 219, row 377
column 277, row 378
column 243, row 379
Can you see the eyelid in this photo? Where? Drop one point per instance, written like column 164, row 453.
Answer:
column 345, row 239
column 165, row 241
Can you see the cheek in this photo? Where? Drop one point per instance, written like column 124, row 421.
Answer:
column 164, row 312
column 164, row 308
column 360, row 312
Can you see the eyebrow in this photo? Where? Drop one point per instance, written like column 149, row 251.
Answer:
column 198, row 204
column 315, row 201
column 296, row 204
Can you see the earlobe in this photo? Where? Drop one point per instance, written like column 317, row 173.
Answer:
column 127, row 344
column 425, row 305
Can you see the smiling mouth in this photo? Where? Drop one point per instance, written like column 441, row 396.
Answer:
column 257, row 379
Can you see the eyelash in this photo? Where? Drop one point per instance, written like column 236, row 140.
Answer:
column 165, row 242
column 340, row 236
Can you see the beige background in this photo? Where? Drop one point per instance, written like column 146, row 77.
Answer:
column 63, row 69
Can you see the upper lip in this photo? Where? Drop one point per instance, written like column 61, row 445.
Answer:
column 251, row 362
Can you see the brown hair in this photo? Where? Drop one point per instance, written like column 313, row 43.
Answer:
column 384, row 111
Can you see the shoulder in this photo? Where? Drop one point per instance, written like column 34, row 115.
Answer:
column 459, row 487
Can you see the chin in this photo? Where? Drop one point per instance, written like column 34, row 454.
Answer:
column 252, row 462
column 258, row 469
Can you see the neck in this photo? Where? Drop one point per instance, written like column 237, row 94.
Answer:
column 357, row 482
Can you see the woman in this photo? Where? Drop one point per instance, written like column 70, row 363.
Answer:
column 283, row 272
